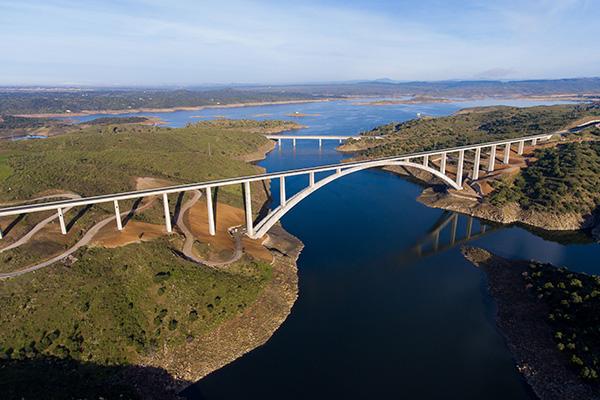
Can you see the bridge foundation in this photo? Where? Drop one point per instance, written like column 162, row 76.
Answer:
column 492, row 159
column 476, row 163
column 167, row 213
column 248, row 209
column 506, row 154
column 210, row 211
column 443, row 164
column 282, row 198
column 118, row 216
column 61, row 220
column 459, row 168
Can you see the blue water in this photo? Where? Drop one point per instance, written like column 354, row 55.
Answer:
column 373, row 319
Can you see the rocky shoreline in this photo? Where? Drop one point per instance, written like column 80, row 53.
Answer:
column 521, row 319
column 249, row 330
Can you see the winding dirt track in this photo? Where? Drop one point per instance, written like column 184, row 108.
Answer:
column 27, row 237
column 188, row 246
column 84, row 241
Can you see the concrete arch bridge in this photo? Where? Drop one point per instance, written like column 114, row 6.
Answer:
column 434, row 162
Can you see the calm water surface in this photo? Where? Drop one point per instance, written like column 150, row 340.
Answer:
column 373, row 319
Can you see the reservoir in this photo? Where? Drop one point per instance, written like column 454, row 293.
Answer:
column 383, row 312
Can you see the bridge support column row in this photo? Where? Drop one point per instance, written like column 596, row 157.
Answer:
column 118, row 216
column 476, row 163
column 248, row 208
column 210, row 212
column 506, row 154
column 443, row 164
column 61, row 220
column 492, row 159
column 521, row 147
column 167, row 213
column 282, row 198
column 459, row 168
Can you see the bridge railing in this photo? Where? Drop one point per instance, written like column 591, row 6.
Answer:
column 60, row 205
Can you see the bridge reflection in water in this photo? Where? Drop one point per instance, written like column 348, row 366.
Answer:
column 446, row 234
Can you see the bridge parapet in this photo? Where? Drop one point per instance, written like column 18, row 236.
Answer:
column 421, row 160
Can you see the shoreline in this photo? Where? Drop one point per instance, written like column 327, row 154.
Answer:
column 172, row 109
column 522, row 322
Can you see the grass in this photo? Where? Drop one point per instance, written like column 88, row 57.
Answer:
column 118, row 306
column 470, row 126
column 5, row 169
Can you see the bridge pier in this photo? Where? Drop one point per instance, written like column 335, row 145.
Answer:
column 61, row 220
column 167, row 213
column 506, row 153
column 443, row 164
column 282, row 198
column 492, row 158
column 210, row 212
column 476, row 163
column 459, row 168
column 320, row 143
column 279, row 143
column 1, row 234
column 248, row 209
column 521, row 147
column 118, row 216
column 426, row 160
column 534, row 142
column 294, row 142
column 311, row 179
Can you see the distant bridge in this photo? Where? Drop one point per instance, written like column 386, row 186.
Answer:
column 319, row 138
column 425, row 160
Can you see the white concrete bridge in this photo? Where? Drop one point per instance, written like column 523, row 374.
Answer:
column 435, row 162
column 319, row 138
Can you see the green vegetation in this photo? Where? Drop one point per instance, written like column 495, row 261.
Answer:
column 573, row 300
column 106, row 159
column 5, row 169
column 115, row 120
column 106, row 311
column 472, row 126
column 563, row 179
column 76, row 100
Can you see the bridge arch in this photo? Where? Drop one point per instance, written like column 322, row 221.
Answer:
column 263, row 226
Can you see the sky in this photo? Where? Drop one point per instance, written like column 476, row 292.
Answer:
column 194, row 42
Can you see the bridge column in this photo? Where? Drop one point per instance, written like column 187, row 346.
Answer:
column 279, row 142
column 294, row 142
column 506, row 153
column 492, row 159
column 320, row 142
column 443, row 164
column 340, row 141
column 426, row 160
column 210, row 212
column 459, row 168
column 61, row 220
column 311, row 179
column 118, row 216
column 282, row 199
column 167, row 213
column 476, row 163
column 1, row 234
column 534, row 142
column 248, row 208
column 338, row 171
column 521, row 147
